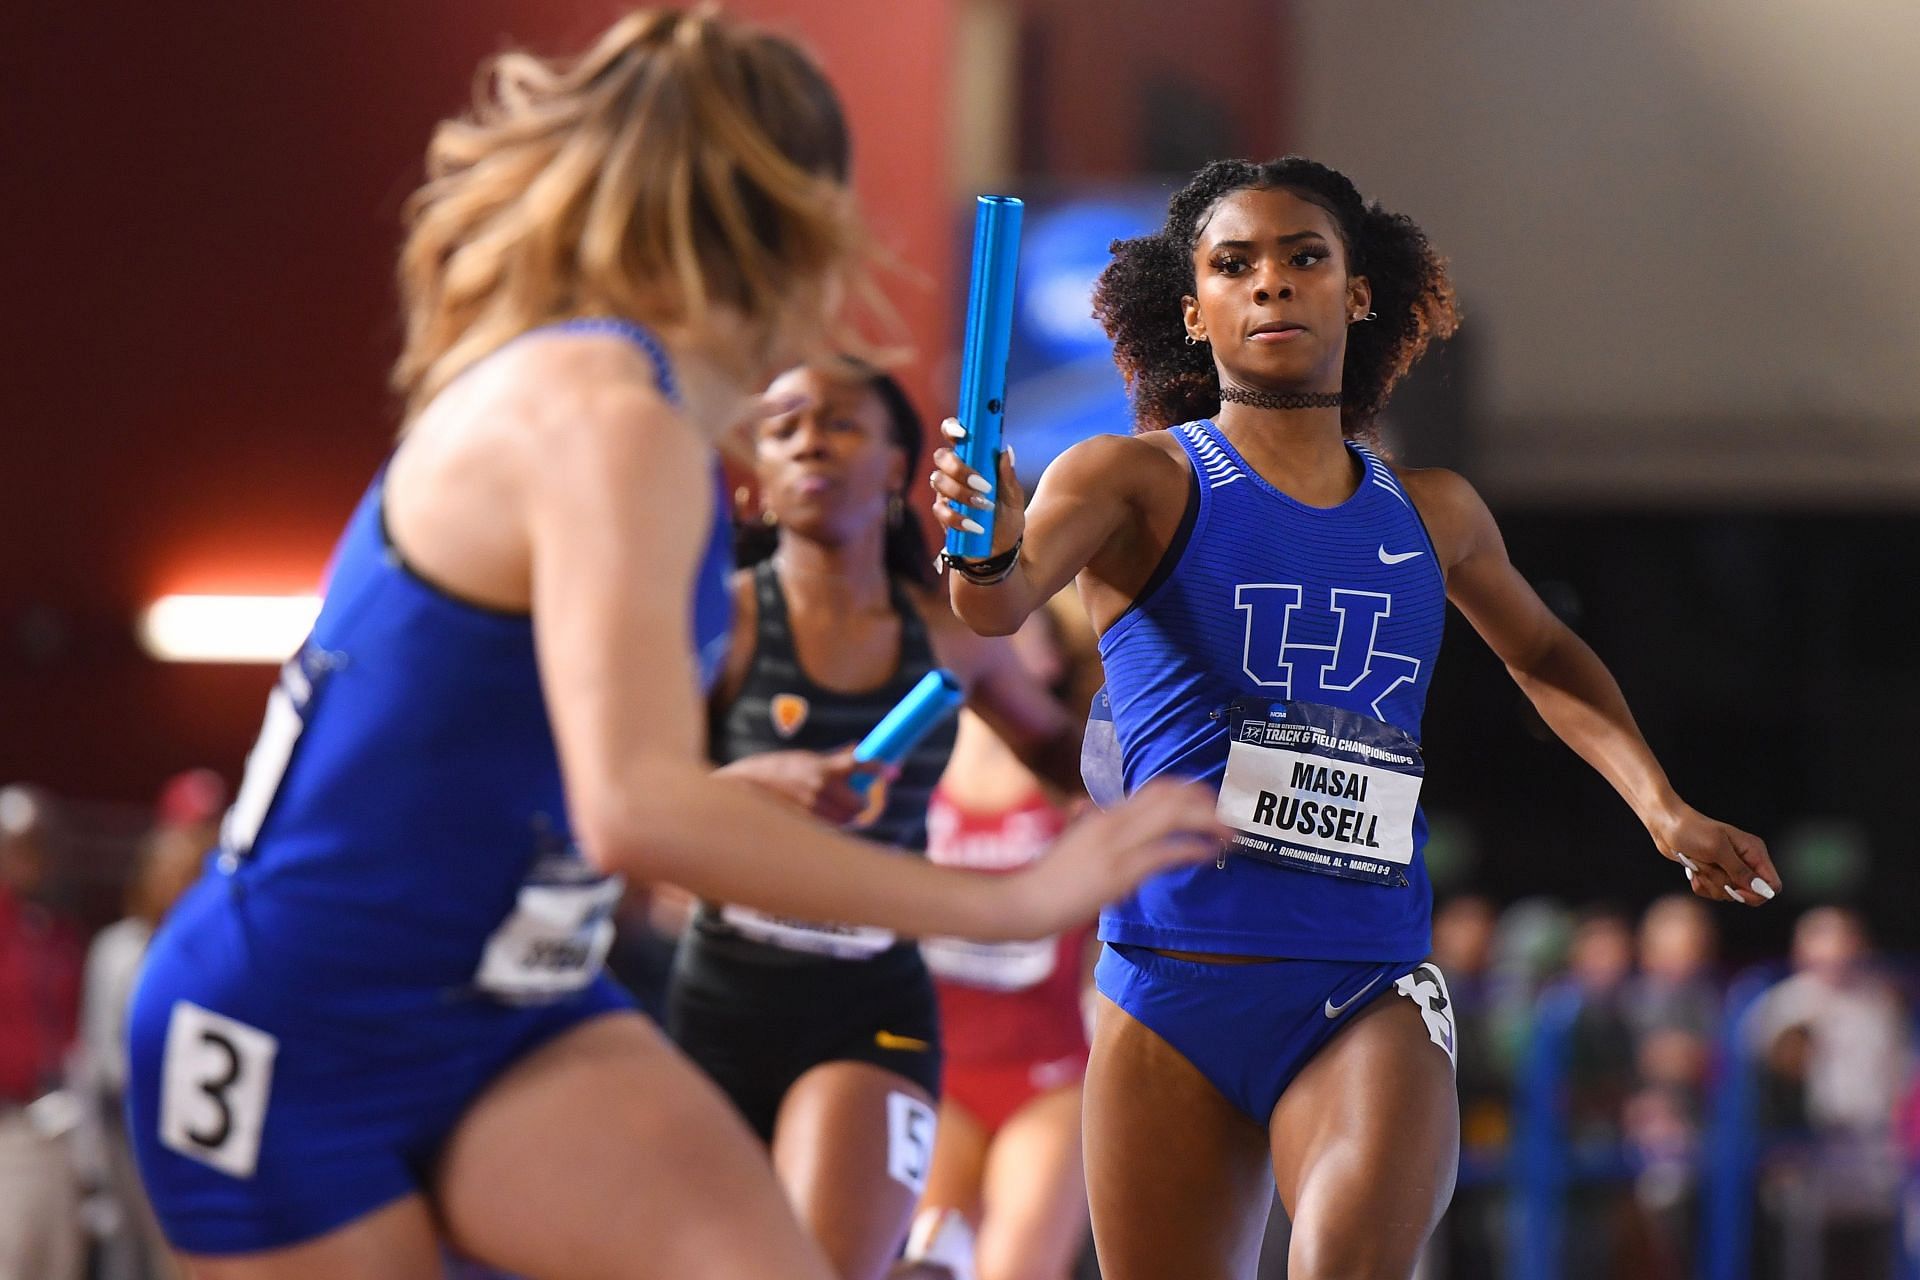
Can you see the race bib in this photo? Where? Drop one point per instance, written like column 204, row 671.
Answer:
column 911, row 1125
column 837, row 941
column 992, row 966
column 1320, row 789
column 556, row 938
column 214, row 1088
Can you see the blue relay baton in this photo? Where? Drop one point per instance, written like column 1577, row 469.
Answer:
column 937, row 696
column 983, row 358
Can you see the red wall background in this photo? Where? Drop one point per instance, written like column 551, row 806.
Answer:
column 1085, row 63
column 202, row 213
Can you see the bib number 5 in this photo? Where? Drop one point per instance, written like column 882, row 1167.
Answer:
column 214, row 1087
column 910, row 1128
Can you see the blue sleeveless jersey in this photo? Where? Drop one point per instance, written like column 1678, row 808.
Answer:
column 1267, row 597
column 396, row 915
column 418, row 783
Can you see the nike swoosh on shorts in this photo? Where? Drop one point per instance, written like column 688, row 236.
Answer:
column 1335, row 1010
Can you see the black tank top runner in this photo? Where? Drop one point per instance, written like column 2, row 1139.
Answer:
column 779, row 709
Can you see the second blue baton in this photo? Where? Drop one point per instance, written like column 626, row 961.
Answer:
column 937, row 696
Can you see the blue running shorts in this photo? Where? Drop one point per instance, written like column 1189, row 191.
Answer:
column 273, row 1100
column 1250, row 1028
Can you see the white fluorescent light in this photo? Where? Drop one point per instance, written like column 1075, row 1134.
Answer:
column 227, row 628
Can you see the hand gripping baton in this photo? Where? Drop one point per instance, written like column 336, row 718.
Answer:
column 936, row 697
column 983, row 359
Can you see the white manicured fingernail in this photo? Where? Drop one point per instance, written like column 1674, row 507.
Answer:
column 1008, row 450
column 971, row 526
column 1735, row 895
column 1689, row 871
column 933, row 478
column 980, row 504
column 952, row 429
column 1762, row 888
column 979, row 484
column 1686, row 862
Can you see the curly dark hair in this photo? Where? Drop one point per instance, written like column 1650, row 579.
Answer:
column 1137, row 299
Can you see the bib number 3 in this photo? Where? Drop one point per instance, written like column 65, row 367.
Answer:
column 214, row 1087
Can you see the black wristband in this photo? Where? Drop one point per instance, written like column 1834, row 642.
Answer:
column 985, row 572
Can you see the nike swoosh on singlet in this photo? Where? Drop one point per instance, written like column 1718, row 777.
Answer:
column 1397, row 559
column 888, row 1040
column 1335, row 1010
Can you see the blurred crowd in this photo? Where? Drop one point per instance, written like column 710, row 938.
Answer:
column 1639, row 1028
column 1637, row 1021
column 70, row 1202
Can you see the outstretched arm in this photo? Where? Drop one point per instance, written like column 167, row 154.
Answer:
column 617, row 505
column 1576, row 695
column 1085, row 498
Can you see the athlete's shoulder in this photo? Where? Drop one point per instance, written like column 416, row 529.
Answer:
column 1455, row 515
column 585, row 379
column 1435, row 486
column 552, row 406
column 745, row 592
column 1127, row 464
column 745, row 637
column 1113, row 450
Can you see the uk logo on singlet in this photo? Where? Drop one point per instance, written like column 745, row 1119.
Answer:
column 1281, row 616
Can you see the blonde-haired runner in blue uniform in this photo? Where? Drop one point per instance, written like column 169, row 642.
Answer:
column 379, row 1021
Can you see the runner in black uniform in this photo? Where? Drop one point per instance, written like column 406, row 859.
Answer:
column 742, row 968
column 826, row 1036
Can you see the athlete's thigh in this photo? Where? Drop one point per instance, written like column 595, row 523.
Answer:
column 1176, row 1175
column 852, row 1146
column 1366, row 1142
column 959, row 1163
column 1035, row 1219
column 606, row 1154
column 395, row 1242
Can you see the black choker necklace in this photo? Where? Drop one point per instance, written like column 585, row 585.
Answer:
column 1281, row 399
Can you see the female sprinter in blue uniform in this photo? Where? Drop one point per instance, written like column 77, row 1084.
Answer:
column 379, row 1020
column 1269, row 595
